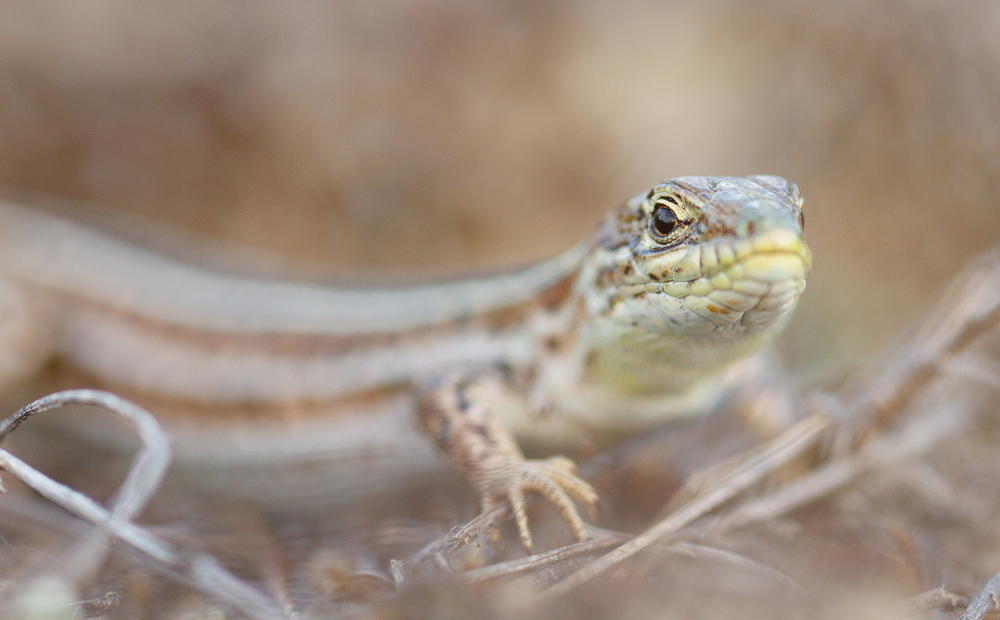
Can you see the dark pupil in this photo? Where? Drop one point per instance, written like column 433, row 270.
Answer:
column 664, row 221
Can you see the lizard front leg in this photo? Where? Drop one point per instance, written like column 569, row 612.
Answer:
column 461, row 411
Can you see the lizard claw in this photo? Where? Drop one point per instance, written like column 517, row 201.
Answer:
column 554, row 479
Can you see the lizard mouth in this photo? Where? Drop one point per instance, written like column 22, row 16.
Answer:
column 769, row 276
column 727, row 281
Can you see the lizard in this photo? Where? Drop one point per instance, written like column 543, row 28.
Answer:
column 659, row 314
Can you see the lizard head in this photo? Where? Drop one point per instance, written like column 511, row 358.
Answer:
column 700, row 270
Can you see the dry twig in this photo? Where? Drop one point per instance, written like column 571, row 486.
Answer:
column 968, row 310
column 938, row 598
column 96, row 607
column 914, row 438
column 539, row 560
column 201, row 571
column 86, row 557
column 763, row 462
column 986, row 601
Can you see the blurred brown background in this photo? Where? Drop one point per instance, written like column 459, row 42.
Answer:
column 401, row 136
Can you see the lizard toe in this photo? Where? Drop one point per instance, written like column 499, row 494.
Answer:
column 555, row 480
column 515, row 496
column 563, row 472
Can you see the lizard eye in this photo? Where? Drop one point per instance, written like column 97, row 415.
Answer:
column 664, row 221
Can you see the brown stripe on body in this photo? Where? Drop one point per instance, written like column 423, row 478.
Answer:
column 297, row 345
column 134, row 354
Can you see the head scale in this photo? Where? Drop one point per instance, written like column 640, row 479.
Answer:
column 693, row 275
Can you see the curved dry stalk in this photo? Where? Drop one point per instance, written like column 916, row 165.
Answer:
column 200, row 571
column 148, row 468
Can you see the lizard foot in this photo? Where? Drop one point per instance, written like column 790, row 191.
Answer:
column 554, row 478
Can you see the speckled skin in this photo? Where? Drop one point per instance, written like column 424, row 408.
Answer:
column 659, row 321
column 313, row 387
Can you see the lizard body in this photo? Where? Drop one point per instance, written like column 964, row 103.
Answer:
column 651, row 318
